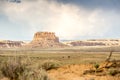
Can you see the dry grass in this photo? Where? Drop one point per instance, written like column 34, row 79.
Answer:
column 16, row 69
column 75, row 72
column 73, row 63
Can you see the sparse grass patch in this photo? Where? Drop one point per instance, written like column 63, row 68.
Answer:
column 16, row 69
column 50, row 64
column 34, row 75
column 35, row 60
column 12, row 68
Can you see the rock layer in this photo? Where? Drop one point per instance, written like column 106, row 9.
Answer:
column 94, row 42
column 45, row 36
column 11, row 44
column 45, row 39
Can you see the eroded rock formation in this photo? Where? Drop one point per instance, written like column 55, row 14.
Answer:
column 11, row 44
column 45, row 39
column 94, row 42
column 45, row 36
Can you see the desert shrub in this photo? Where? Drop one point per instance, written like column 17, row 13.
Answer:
column 68, row 56
column 112, row 72
column 96, row 66
column 47, row 65
column 15, row 69
column 34, row 75
column 12, row 68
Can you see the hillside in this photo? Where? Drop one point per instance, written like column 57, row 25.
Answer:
column 94, row 42
column 11, row 44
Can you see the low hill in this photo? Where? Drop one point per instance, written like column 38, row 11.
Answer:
column 11, row 44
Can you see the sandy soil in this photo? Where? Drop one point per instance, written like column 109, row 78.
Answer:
column 75, row 72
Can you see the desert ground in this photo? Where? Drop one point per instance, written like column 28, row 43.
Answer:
column 67, row 63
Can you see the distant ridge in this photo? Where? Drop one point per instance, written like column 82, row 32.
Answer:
column 49, row 40
column 94, row 42
column 11, row 44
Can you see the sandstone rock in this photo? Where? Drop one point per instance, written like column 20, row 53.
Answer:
column 45, row 40
column 46, row 36
column 11, row 44
column 95, row 42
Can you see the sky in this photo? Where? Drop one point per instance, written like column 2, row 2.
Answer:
column 69, row 19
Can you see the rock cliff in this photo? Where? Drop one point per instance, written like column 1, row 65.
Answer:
column 45, row 36
column 11, row 44
column 94, row 42
column 45, row 39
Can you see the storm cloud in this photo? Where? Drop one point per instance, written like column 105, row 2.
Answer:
column 69, row 20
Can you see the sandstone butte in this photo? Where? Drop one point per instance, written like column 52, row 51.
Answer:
column 45, row 40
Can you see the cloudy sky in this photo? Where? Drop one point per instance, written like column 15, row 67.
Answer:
column 69, row 19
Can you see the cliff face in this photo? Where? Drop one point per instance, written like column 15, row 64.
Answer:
column 45, row 39
column 95, row 42
column 11, row 44
column 45, row 36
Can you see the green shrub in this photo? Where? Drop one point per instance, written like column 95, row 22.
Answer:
column 96, row 66
column 47, row 65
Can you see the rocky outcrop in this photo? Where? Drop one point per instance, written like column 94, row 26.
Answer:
column 45, row 36
column 94, row 42
column 11, row 44
column 45, row 40
column 81, row 43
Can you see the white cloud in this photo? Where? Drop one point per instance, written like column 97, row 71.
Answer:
column 66, row 20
